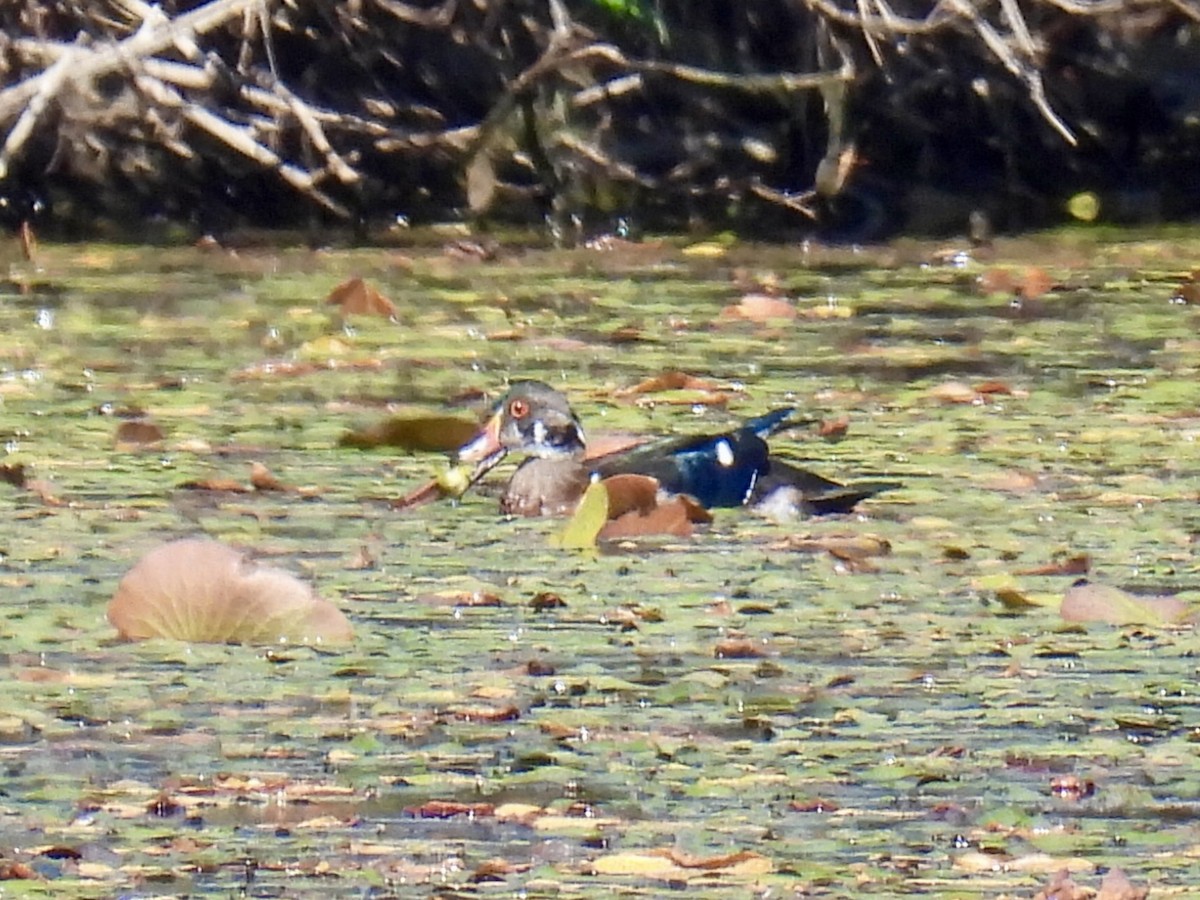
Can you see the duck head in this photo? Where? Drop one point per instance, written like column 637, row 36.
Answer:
column 532, row 418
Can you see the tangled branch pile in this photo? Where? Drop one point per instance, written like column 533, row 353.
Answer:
column 854, row 115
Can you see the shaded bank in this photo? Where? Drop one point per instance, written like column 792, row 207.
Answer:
column 849, row 119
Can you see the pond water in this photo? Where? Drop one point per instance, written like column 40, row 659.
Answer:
column 727, row 712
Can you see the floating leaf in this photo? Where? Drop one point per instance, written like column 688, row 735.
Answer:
column 1072, row 565
column 420, row 434
column 546, row 600
column 14, row 474
column 1086, row 601
column 505, row 713
column 1012, row 597
column 1117, row 886
column 263, row 479
column 673, row 517
column 457, row 598
column 759, row 308
column 1072, row 787
column 448, row 809
column 583, row 529
column 675, row 865
column 225, row 485
column 738, row 648
column 138, row 434
column 954, row 392
column 705, row 250
column 203, row 590
column 1084, row 206
column 631, row 493
column 670, row 380
column 833, row 429
column 843, row 545
column 356, row 297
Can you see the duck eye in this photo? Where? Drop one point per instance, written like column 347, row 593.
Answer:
column 518, row 409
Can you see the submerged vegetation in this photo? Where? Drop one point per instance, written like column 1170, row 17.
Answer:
column 881, row 704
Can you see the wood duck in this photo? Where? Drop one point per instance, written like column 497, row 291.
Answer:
column 730, row 469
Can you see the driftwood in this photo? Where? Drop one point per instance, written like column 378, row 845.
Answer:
column 817, row 109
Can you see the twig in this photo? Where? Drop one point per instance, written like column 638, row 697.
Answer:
column 1031, row 77
column 146, row 42
column 50, row 83
column 238, row 140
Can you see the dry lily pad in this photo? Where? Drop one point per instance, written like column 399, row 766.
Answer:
column 1089, row 602
column 357, row 297
column 674, row 516
column 759, row 308
column 205, row 591
column 138, row 434
column 422, row 434
column 671, row 864
column 670, row 380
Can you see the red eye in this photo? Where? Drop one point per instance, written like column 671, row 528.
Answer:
column 518, row 409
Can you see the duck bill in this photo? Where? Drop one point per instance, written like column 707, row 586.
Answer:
column 484, row 446
column 485, row 450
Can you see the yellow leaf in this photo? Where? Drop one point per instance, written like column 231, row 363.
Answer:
column 644, row 864
column 705, row 250
column 583, row 527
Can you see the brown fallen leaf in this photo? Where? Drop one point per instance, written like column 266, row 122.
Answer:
column 1072, row 787
column 1034, row 283
column 1117, row 886
column 760, row 309
column 497, row 869
column 842, row 545
column 833, row 429
column 44, row 491
column 484, row 713
column 448, row 809
column 1072, row 565
column 671, row 380
column 282, row 368
column 954, row 392
column 669, row 863
column 134, row 434
column 11, row 870
column 673, row 517
column 221, row 485
column 419, row 434
column 460, row 598
column 355, row 296
column 546, row 600
column 1086, row 601
column 263, row 479
column 14, row 474
column 205, row 591
column 1063, row 887
column 738, row 648
column 630, row 493
column 815, row 805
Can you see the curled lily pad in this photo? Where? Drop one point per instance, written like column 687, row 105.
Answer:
column 421, row 434
column 205, row 591
column 1087, row 601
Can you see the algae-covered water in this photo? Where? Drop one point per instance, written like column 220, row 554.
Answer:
column 738, row 713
